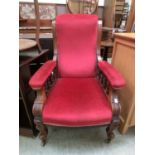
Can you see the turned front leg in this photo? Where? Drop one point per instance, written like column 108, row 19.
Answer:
column 37, row 112
column 43, row 131
column 115, row 118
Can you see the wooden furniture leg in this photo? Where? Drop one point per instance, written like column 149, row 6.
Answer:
column 43, row 131
column 116, row 107
column 115, row 119
column 110, row 128
column 37, row 112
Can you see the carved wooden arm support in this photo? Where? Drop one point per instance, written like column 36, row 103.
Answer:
column 41, row 81
column 39, row 102
column 116, row 107
column 114, row 97
column 37, row 112
column 41, row 94
column 115, row 82
column 44, row 84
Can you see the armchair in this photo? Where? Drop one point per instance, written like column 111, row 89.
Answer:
column 70, row 89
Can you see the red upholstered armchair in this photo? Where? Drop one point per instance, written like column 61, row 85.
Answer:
column 76, row 96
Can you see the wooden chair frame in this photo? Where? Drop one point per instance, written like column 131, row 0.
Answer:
column 42, row 93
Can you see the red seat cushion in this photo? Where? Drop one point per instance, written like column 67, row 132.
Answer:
column 77, row 102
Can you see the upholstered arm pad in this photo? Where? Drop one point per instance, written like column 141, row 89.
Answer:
column 115, row 79
column 40, row 77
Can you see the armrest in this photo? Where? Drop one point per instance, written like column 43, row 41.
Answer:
column 115, row 79
column 39, row 78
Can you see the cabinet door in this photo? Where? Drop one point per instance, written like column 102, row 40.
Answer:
column 123, row 60
column 132, row 122
column 26, row 98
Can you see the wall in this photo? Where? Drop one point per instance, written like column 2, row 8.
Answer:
column 101, row 2
column 61, row 6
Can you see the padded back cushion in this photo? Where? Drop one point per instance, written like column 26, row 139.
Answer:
column 77, row 43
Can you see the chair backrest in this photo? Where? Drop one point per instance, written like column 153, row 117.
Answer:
column 76, row 36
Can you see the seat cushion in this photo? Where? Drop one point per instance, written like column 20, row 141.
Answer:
column 77, row 102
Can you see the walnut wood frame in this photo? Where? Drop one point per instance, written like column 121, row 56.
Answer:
column 43, row 92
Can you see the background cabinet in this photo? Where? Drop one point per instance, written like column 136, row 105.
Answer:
column 28, row 65
column 119, row 14
column 26, row 98
column 123, row 59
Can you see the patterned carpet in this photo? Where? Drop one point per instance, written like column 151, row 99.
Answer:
column 79, row 141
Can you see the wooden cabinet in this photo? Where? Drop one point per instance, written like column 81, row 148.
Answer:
column 123, row 59
column 113, row 13
column 26, row 99
column 27, row 66
column 118, row 14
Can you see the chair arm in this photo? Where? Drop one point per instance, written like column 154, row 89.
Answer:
column 115, row 79
column 39, row 78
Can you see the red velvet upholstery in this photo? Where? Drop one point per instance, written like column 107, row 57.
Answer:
column 76, row 98
column 77, row 102
column 76, row 42
column 40, row 77
column 115, row 79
